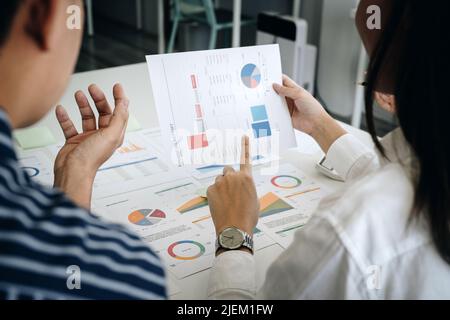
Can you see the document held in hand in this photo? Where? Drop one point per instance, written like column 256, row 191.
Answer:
column 207, row 100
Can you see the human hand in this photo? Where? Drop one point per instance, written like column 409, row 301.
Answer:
column 305, row 110
column 232, row 199
column 308, row 115
column 83, row 153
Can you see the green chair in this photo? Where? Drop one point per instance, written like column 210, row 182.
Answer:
column 202, row 11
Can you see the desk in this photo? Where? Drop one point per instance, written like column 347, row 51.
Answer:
column 136, row 81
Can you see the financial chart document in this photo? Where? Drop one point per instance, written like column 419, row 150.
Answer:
column 167, row 206
column 206, row 101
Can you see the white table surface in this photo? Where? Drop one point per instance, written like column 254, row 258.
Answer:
column 136, row 81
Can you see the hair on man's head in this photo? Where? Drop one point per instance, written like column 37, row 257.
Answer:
column 8, row 12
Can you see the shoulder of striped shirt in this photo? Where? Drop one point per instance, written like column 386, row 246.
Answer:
column 29, row 200
column 101, row 229
column 43, row 198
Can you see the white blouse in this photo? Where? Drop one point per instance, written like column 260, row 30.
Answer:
column 360, row 244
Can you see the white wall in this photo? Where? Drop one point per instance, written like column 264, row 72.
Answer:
column 338, row 57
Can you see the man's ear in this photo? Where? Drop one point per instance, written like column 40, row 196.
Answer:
column 41, row 21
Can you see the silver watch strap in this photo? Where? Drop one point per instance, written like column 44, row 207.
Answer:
column 248, row 243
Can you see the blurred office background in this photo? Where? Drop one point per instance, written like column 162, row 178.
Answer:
column 121, row 32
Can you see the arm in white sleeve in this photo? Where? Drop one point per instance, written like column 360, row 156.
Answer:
column 233, row 276
column 351, row 158
column 310, row 267
column 315, row 266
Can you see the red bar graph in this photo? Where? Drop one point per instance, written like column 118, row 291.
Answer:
column 198, row 141
column 194, row 81
column 198, row 111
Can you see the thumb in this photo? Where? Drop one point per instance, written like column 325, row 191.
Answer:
column 292, row 93
column 119, row 119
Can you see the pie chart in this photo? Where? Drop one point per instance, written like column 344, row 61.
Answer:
column 286, row 182
column 251, row 76
column 146, row 217
column 186, row 250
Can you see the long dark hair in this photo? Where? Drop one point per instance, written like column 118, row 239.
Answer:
column 422, row 103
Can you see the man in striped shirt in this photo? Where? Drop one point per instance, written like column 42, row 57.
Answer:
column 51, row 247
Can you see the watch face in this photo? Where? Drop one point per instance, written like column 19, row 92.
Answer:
column 231, row 238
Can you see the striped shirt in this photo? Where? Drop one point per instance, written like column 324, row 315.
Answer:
column 52, row 249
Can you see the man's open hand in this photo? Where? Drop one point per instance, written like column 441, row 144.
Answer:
column 83, row 153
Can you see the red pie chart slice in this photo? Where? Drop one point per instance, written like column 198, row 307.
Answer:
column 146, row 217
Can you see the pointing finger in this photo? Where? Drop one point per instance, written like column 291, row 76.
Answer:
column 245, row 156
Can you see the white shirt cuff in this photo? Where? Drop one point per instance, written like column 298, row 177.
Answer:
column 344, row 153
column 233, row 276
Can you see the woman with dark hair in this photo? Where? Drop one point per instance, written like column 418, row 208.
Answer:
column 387, row 234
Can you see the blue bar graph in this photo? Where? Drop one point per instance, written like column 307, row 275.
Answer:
column 262, row 129
column 259, row 113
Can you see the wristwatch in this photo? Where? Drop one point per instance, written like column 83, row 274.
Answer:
column 233, row 238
